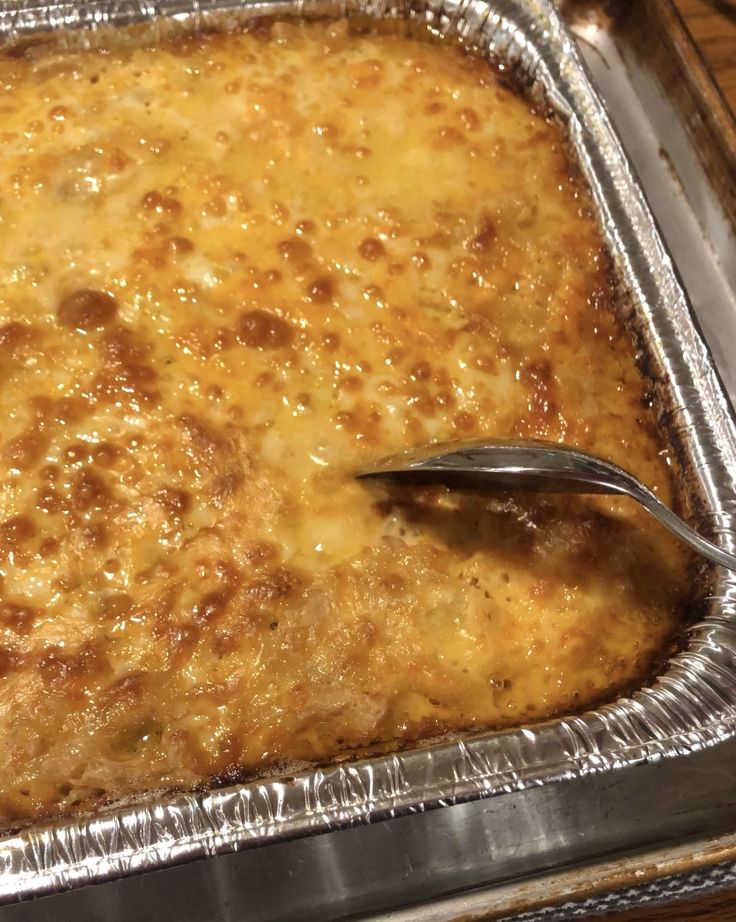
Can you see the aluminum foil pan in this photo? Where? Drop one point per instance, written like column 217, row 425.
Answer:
column 692, row 705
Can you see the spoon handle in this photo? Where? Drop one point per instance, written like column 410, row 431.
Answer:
column 681, row 529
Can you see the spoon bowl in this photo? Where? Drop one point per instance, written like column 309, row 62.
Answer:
column 541, row 467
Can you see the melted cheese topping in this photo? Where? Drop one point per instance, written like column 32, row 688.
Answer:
column 234, row 270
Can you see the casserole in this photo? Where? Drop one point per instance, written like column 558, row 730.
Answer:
column 521, row 762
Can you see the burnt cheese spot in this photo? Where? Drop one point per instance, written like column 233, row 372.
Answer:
column 371, row 249
column 174, row 501
column 16, row 531
column 25, row 450
column 116, row 605
column 331, row 341
column 179, row 246
column 261, row 552
column 8, row 661
column 64, row 668
column 294, row 250
column 18, row 618
column 89, row 491
column 93, row 535
column 321, row 290
column 482, row 242
column 161, row 204
column 87, row 310
column 422, row 371
column 14, row 336
column 104, row 454
column 261, row 329
column 212, row 606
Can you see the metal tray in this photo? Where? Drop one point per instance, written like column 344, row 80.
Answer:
column 693, row 705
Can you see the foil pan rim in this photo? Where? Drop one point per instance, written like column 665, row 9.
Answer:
column 162, row 832
column 691, row 706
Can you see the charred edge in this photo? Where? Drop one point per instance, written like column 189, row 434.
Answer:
column 688, row 501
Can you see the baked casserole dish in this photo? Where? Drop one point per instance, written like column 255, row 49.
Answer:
column 236, row 268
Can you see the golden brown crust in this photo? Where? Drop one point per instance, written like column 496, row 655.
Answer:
column 235, row 269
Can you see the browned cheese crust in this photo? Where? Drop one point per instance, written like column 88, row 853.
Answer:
column 234, row 270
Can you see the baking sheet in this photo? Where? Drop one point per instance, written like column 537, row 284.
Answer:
column 693, row 705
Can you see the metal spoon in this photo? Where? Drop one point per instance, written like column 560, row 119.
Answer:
column 543, row 467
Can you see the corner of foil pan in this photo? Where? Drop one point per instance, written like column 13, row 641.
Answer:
column 689, row 707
